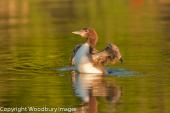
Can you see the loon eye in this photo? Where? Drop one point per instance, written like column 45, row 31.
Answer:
column 86, row 30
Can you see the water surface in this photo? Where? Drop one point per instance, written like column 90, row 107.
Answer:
column 36, row 39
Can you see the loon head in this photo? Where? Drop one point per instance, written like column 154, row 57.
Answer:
column 89, row 34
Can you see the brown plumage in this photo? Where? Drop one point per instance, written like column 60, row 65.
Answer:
column 89, row 34
column 110, row 54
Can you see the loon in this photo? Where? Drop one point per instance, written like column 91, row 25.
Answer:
column 87, row 59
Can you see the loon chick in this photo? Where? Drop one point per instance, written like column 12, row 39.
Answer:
column 86, row 58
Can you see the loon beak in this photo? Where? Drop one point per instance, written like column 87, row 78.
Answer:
column 76, row 32
column 121, row 60
column 81, row 33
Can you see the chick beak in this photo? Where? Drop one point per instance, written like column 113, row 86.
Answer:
column 121, row 60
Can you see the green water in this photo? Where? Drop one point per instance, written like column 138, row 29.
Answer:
column 36, row 40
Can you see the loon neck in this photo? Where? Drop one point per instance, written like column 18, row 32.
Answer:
column 92, row 40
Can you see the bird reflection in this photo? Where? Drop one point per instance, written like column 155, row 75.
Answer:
column 90, row 86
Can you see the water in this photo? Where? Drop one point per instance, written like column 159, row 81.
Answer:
column 36, row 40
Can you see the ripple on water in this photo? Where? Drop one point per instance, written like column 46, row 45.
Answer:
column 110, row 71
column 121, row 72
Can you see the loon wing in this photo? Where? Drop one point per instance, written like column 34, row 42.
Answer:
column 100, row 58
column 74, row 52
column 106, row 56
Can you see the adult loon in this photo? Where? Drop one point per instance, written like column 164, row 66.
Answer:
column 87, row 59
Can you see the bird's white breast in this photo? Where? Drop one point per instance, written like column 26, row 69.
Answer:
column 81, row 56
column 83, row 62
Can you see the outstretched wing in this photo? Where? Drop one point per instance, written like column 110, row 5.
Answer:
column 109, row 54
column 100, row 58
column 74, row 53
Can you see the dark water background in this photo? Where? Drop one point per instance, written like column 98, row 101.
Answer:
column 36, row 40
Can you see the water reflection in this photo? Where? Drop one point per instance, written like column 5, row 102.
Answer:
column 35, row 37
column 90, row 86
column 163, row 7
column 11, row 12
